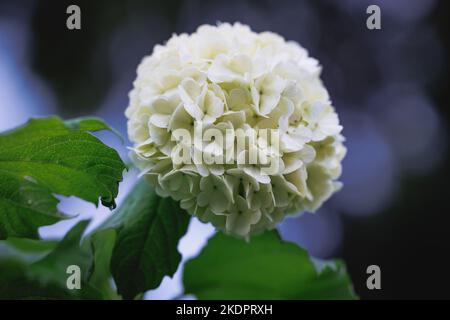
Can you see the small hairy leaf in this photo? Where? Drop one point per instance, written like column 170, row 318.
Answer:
column 49, row 156
column 264, row 268
column 148, row 230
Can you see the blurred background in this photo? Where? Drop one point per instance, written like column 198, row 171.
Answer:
column 389, row 86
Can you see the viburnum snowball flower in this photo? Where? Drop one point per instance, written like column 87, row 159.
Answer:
column 235, row 83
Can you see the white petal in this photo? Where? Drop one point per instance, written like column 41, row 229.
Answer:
column 255, row 172
column 189, row 93
column 160, row 120
column 214, row 105
column 229, row 69
column 203, row 198
column 268, row 103
column 307, row 153
column 161, row 105
column 218, row 202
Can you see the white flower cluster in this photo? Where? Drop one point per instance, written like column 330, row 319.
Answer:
column 227, row 77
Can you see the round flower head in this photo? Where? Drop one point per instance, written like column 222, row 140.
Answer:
column 237, row 126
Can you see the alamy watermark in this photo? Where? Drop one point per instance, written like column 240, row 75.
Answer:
column 73, row 281
column 73, row 21
column 373, row 21
column 374, row 280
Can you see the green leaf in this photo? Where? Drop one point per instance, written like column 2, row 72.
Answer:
column 25, row 250
column 38, row 269
column 148, row 230
column 91, row 124
column 49, row 156
column 265, row 268
column 102, row 243
column 67, row 252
